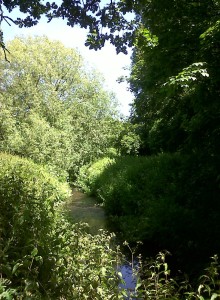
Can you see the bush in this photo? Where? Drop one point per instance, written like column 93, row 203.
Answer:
column 43, row 256
column 90, row 174
column 28, row 200
column 170, row 201
column 155, row 281
column 29, row 196
column 131, row 186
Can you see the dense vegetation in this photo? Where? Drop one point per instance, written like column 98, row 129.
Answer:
column 46, row 99
column 152, row 199
column 176, row 82
column 170, row 196
column 156, row 174
column 43, row 256
column 175, row 77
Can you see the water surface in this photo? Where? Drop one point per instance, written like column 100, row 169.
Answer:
column 84, row 208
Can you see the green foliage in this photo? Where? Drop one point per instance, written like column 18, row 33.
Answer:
column 188, row 75
column 42, row 255
column 154, row 199
column 209, row 282
column 176, row 78
column 102, row 21
column 155, row 281
column 29, row 196
column 89, row 174
column 28, row 199
column 32, row 102
column 6, row 293
column 53, row 110
column 129, row 187
column 127, row 140
column 94, row 131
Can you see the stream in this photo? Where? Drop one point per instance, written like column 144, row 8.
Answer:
column 84, row 209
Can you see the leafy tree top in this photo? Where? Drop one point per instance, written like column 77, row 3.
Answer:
column 105, row 22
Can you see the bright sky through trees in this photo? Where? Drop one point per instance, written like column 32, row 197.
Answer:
column 106, row 60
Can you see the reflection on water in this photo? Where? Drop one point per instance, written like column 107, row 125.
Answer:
column 84, row 209
column 128, row 277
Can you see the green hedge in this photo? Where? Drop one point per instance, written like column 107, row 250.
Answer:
column 42, row 255
column 28, row 197
column 127, row 184
column 89, row 175
column 28, row 200
column 171, row 201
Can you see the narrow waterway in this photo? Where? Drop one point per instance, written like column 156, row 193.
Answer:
column 85, row 209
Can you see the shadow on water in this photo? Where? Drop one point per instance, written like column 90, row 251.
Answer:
column 84, row 208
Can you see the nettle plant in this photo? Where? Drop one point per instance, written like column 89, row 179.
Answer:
column 154, row 281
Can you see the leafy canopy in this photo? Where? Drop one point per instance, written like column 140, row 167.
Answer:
column 175, row 75
column 105, row 22
column 54, row 110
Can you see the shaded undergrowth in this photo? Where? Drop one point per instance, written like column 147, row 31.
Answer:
column 169, row 201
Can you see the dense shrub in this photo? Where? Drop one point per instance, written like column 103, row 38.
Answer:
column 138, row 192
column 129, row 186
column 28, row 196
column 169, row 200
column 43, row 256
column 89, row 175
column 28, row 199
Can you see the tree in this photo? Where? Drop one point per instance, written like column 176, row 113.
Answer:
column 106, row 22
column 54, row 111
column 176, row 81
column 175, row 77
